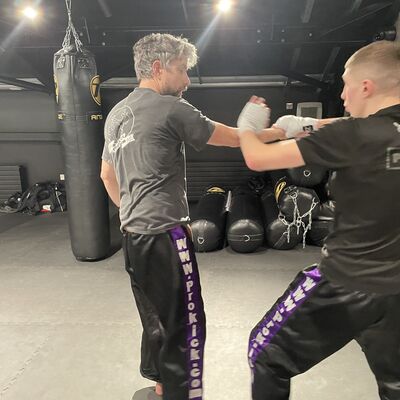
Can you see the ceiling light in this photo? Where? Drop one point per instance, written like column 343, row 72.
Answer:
column 224, row 5
column 30, row 12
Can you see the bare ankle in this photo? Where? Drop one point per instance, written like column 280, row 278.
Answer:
column 159, row 389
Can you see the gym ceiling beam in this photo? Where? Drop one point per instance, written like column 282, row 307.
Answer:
column 186, row 15
column 355, row 7
column 374, row 9
column 331, row 60
column 306, row 79
column 185, row 12
column 305, row 18
column 44, row 76
column 23, row 84
column 293, row 63
column 105, row 8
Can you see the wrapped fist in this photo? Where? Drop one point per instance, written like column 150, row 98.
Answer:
column 293, row 125
column 254, row 117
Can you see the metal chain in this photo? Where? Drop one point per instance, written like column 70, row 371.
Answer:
column 71, row 30
column 298, row 220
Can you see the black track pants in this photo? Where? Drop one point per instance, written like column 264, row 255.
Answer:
column 166, row 287
column 314, row 319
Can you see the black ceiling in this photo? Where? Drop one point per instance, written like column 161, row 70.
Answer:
column 258, row 37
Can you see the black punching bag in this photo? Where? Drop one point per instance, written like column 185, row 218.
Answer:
column 307, row 176
column 245, row 230
column 278, row 235
column 208, row 226
column 79, row 112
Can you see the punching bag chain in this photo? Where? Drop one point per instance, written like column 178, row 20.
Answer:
column 71, row 29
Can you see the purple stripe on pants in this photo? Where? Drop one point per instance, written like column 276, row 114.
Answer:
column 275, row 319
column 193, row 303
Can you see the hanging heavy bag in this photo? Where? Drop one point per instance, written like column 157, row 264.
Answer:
column 245, row 231
column 208, row 227
column 278, row 235
column 79, row 112
column 307, row 175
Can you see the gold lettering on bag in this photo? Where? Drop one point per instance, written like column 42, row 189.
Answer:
column 95, row 89
column 56, row 87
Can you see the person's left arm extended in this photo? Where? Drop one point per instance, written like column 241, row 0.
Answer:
column 263, row 157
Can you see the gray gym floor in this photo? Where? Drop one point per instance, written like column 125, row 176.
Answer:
column 70, row 330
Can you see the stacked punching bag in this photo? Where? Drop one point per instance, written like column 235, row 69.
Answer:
column 245, row 230
column 323, row 222
column 79, row 112
column 278, row 234
column 294, row 207
column 307, row 176
column 208, row 227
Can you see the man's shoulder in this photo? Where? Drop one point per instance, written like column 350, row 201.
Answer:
column 341, row 125
column 120, row 105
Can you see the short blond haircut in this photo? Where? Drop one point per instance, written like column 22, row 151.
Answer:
column 378, row 61
column 163, row 47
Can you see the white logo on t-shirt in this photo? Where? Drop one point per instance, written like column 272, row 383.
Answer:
column 122, row 123
column 397, row 125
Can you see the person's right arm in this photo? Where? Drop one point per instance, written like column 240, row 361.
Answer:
column 296, row 127
column 224, row 135
column 110, row 181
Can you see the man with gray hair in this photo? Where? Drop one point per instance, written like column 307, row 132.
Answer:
column 143, row 170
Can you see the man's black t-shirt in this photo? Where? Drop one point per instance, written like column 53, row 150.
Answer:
column 363, row 251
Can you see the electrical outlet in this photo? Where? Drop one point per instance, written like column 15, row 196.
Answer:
column 62, row 177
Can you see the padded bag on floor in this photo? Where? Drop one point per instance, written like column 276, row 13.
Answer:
column 319, row 231
column 307, row 176
column 278, row 235
column 245, row 231
column 295, row 202
column 326, row 210
column 79, row 112
column 329, row 184
column 208, row 227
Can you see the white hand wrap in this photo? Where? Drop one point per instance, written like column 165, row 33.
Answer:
column 254, row 117
column 292, row 125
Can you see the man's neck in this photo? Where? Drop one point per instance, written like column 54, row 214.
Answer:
column 149, row 84
column 382, row 103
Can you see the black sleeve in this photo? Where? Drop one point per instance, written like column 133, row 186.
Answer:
column 333, row 146
column 191, row 125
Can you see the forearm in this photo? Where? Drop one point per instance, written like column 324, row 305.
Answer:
column 263, row 157
column 112, row 188
column 224, row 135
column 271, row 135
column 326, row 121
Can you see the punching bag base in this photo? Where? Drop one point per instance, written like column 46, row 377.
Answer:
column 146, row 394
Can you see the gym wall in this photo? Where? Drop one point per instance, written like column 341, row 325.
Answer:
column 30, row 137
